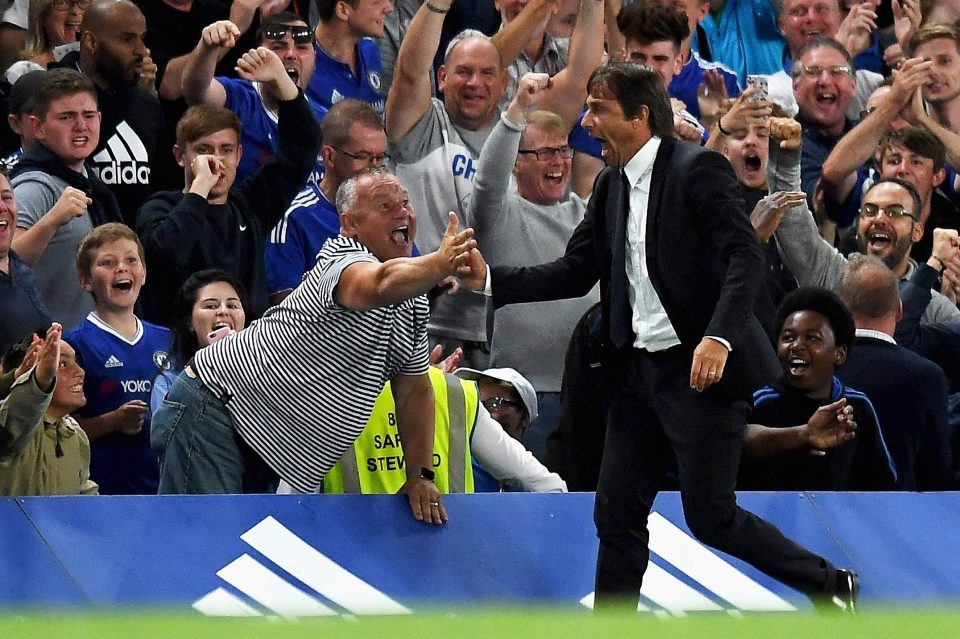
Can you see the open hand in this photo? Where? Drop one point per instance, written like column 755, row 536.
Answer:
column 47, row 354
column 455, row 247
column 769, row 211
column 854, row 32
column 831, row 426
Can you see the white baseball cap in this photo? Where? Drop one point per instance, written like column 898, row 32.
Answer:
column 510, row 376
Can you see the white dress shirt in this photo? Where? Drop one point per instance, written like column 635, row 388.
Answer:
column 649, row 318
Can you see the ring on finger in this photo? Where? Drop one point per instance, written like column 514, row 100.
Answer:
column 434, row 504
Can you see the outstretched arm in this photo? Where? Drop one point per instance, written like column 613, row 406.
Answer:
column 499, row 153
column 828, row 427
column 21, row 412
column 368, row 285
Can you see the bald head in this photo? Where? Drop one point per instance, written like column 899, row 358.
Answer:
column 112, row 48
column 102, row 15
column 871, row 292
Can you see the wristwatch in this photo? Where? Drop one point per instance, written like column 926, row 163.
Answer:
column 422, row 473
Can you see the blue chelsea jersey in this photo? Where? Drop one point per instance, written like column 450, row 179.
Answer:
column 119, row 370
column 259, row 133
column 333, row 80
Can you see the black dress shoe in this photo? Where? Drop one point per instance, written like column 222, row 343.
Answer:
column 844, row 595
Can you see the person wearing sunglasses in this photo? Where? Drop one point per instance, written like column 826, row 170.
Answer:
column 288, row 36
column 215, row 220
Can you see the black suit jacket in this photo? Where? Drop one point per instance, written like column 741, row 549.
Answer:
column 909, row 394
column 702, row 254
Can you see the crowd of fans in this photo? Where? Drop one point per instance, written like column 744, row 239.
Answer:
column 229, row 146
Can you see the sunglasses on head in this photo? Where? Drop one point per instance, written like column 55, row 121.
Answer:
column 301, row 34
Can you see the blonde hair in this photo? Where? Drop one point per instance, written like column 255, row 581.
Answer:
column 99, row 236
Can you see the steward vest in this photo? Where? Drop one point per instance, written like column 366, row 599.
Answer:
column 374, row 463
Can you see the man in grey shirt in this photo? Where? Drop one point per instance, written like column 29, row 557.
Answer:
column 884, row 234
column 435, row 144
column 526, row 226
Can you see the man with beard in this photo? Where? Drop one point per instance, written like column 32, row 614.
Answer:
column 132, row 158
column 887, row 226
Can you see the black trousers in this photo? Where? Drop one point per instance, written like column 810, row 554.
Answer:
column 653, row 412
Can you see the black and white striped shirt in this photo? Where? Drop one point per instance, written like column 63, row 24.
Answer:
column 301, row 381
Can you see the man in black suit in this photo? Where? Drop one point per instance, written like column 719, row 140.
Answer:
column 909, row 392
column 679, row 265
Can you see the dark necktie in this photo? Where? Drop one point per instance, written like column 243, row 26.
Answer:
column 621, row 315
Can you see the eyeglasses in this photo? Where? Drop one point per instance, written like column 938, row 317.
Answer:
column 803, row 12
column 63, row 5
column 377, row 159
column 814, row 71
column 892, row 211
column 300, row 33
column 547, row 152
column 493, row 404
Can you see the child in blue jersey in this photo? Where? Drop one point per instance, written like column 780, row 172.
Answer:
column 815, row 332
column 121, row 355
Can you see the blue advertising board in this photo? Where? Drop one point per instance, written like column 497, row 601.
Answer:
column 313, row 555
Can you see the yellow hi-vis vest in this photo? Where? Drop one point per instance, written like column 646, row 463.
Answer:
column 374, row 463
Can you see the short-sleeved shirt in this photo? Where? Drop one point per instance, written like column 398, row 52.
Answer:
column 301, row 382
column 259, row 134
column 437, row 162
column 56, row 271
column 333, row 80
column 119, row 370
column 746, row 37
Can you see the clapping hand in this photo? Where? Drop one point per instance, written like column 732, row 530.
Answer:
column 46, row 353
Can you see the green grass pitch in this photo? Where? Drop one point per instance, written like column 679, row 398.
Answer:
column 525, row 623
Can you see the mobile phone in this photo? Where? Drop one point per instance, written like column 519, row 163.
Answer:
column 759, row 81
column 219, row 334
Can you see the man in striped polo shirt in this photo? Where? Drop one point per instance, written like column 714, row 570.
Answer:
column 289, row 394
